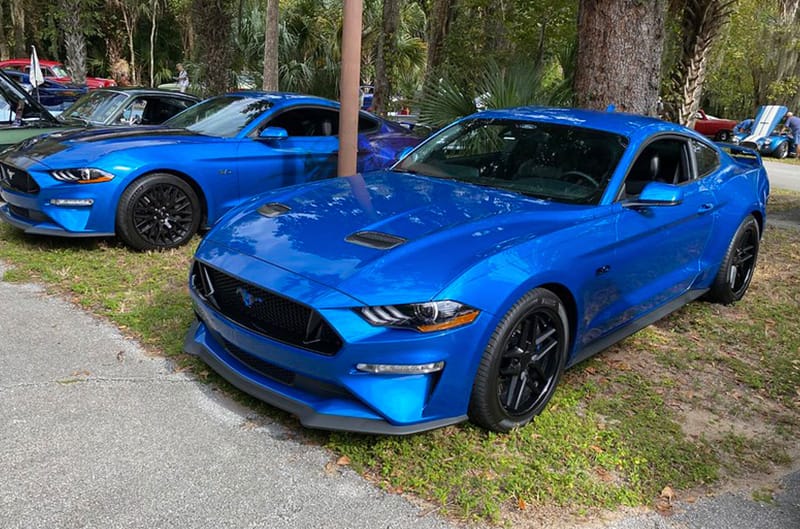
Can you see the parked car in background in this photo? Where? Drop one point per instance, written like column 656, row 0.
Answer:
column 718, row 129
column 55, row 96
column 53, row 71
column 127, row 106
column 155, row 186
column 766, row 134
column 462, row 281
column 21, row 116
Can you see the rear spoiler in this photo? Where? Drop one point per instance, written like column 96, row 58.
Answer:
column 744, row 155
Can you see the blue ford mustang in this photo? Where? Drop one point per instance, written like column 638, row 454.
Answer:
column 462, row 281
column 155, row 186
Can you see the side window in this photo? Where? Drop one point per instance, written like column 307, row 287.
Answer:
column 707, row 159
column 662, row 161
column 367, row 124
column 307, row 122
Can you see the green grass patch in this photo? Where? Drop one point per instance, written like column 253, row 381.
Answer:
column 706, row 393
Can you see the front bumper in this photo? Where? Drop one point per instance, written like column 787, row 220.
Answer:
column 36, row 213
column 327, row 391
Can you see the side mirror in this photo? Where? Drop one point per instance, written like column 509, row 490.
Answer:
column 274, row 133
column 402, row 154
column 656, row 194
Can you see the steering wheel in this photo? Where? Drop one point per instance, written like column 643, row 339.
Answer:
column 581, row 176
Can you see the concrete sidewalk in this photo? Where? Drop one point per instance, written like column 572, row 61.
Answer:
column 95, row 434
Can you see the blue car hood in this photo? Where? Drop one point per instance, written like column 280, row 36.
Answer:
column 79, row 147
column 333, row 230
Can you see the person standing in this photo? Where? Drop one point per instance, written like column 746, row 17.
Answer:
column 793, row 124
column 183, row 78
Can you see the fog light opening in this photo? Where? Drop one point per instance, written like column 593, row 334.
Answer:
column 72, row 202
column 401, row 369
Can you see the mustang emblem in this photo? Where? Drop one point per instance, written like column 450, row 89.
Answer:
column 248, row 299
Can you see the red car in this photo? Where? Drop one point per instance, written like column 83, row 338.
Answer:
column 54, row 71
column 717, row 128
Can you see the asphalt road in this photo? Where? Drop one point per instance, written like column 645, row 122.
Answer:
column 96, row 434
column 783, row 175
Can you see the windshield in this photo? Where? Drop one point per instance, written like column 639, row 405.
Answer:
column 95, row 107
column 223, row 117
column 58, row 71
column 563, row 163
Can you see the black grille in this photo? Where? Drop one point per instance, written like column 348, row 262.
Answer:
column 28, row 213
column 260, row 365
column 17, row 180
column 265, row 312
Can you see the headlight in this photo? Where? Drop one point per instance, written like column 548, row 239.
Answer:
column 84, row 175
column 424, row 317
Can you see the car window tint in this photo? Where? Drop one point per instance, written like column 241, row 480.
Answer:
column 660, row 161
column 308, row 121
column 223, row 116
column 367, row 123
column 557, row 162
column 707, row 158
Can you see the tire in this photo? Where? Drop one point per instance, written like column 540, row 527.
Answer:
column 738, row 265
column 782, row 150
column 522, row 363
column 724, row 136
column 158, row 211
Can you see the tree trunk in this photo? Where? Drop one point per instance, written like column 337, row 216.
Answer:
column 4, row 51
column 620, row 43
column 270, row 75
column 213, row 24
column 18, row 23
column 74, row 39
column 438, row 26
column 153, row 13
column 385, row 56
column 701, row 23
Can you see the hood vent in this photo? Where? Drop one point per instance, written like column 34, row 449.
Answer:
column 375, row 239
column 274, row 209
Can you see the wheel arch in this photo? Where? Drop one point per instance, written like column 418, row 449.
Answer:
column 187, row 179
column 571, row 308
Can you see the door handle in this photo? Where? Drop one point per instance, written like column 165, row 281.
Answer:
column 705, row 208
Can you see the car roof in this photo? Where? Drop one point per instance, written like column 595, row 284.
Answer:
column 27, row 60
column 622, row 123
column 283, row 97
column 142, row 90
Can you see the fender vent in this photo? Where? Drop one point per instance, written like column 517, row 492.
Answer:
column 375, row 239
column 273, row 209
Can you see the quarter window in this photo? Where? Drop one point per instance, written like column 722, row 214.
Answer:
column 707, row 158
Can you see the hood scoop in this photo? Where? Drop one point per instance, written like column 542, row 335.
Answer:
column 375, row 239
column 273, row 209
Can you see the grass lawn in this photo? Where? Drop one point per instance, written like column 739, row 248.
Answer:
column 705, row 398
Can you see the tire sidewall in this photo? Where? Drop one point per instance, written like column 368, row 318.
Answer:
column 721, row 290
column 493, row 356
column 134, row 191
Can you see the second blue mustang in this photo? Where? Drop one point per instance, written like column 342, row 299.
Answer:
column 155, row 187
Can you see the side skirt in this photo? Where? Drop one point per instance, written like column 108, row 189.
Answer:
column 636, row 325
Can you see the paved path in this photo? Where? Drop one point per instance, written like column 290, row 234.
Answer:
column 95, row 434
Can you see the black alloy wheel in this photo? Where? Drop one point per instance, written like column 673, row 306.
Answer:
column 522, row 363
column 738, row 265
column 158, row 211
